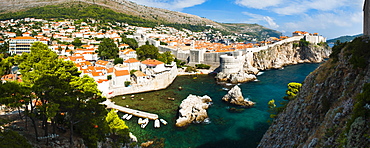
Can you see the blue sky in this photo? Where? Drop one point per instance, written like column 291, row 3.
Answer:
column 330, row 18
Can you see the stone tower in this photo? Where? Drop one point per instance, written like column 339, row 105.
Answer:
column 367, row 17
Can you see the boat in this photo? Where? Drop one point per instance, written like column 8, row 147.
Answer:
column 129, row 117
column 124, row 116
column 164, row 122
column 140, row 121
column 145, row 123
column 157, row 124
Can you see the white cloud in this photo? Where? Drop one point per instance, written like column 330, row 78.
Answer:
column 294, row 7
column 330, row 24
column 271, row 22
column 258, row 4
column 260, row 18
column 176, row 5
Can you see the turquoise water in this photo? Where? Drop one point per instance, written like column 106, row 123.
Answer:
column 227, row 129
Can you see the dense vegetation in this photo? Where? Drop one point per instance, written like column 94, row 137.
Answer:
column 151, row 52
column 84, row 11
column 357, row 51
column 107, row 49
column 12, row 139
column 59, row 96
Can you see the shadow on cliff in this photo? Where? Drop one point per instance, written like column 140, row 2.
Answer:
column 245, row 142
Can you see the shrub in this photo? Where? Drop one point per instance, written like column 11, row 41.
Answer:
column 202, row 66
column 127, row 83
column 190, row 69
column 303, row 43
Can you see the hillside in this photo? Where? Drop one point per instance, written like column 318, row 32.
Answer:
column 343, row 39
column 251, row 29
column 150, row 15
column 333, row 107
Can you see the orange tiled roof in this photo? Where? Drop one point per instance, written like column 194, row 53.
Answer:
column 132, row 60
column 121, row 72
column 151, row 62
column 23, row 38
column 102, row 80
column 110, row 70
column 95, row 74
column 101, row 62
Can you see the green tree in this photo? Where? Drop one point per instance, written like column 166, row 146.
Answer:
column 108, row 49
column 131, row 42
column 77, row 42
column 118, row 61
column 118, row 128
column 147, row 51
column 127, row 83
column 10, row 138
column 57, row 84
column 6, row 65
column 166, row 57
column 4, row 48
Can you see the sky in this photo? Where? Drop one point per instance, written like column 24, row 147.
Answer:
column 329, row 18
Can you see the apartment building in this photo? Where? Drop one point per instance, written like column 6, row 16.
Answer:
column 18, row 45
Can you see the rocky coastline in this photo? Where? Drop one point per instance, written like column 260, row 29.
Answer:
column 289, row 53
column 274, row 57
column 193, row 109
column 324, row 112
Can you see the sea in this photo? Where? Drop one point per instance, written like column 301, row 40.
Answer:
column 240, row 128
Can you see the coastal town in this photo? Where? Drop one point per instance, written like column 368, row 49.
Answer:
column 78, row 41
column 144, row 59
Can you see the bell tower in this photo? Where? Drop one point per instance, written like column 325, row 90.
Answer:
column 366, row 18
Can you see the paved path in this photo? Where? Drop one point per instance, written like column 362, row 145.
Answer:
column 130, row 111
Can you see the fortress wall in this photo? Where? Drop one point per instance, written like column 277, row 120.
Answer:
column 231, row 64
column 161, row 81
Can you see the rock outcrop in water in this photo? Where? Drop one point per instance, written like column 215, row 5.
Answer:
column 234, row 96
column 193, row 109
column 333, row 106
column 239, row 77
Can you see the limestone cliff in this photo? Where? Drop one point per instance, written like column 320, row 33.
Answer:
column 333, row 106
column 287, row 54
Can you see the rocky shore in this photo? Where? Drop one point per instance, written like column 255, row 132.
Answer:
column 193, row 109
column 239, row 69
column 234, row 96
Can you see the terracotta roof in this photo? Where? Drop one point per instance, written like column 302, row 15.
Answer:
column 110, row 70
column 96, row 74
column 23, row 38
column 121, row 73
column 102, row 80
column 132, row 60
column 139, row 74
column 101, row 62
column 151, row 62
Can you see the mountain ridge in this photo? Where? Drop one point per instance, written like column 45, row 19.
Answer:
column 145, row 12
column 342, row 39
